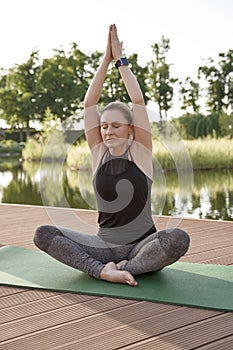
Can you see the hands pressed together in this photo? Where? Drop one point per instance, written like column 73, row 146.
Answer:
column 114, row 46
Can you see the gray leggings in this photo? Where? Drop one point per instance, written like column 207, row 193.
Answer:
column 89, row 253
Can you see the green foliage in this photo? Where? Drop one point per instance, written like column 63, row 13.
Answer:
column 160, row 84
column 18, row 93
column 55, row 87
column 55, row 148
column 226, row 124
column 79, row 157
column 155, row 130
column 10, row 147
column 190, row 93
column 52, row 150
column 33, row 150
column 198, row 125
column 204, row 154
column 220, row 82
column 114, row 89
column 50, row 124
column 62, row 82
column 51, row 145
column 210, row 153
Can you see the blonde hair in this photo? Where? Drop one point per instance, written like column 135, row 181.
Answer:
column 120, row 106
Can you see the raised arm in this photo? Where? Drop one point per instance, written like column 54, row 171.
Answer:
column 142, row 131
column 91, row 115
column 94, row 91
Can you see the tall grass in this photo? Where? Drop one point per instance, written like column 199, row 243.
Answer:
column 10, row 147
column 211, row 153
column 79, row 157
column 199, row 154
column 33, row 150
column 54, row 149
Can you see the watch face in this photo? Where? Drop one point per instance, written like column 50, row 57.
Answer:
column 122, row 62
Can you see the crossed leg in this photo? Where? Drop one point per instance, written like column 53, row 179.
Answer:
column 87, row 253
column 119, row 264
column 156, row 251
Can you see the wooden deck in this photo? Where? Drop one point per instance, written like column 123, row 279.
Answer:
column 44, row 320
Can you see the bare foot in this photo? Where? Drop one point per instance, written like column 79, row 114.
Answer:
column 110, row 273
column 122, row 262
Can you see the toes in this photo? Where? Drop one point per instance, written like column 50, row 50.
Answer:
column 131, row 281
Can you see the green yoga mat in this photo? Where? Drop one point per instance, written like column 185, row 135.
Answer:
column 197, row 285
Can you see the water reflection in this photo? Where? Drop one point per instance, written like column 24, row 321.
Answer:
column 53, row 185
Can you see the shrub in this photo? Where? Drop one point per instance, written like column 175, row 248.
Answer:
column 11, row 147
column 79, row 157
column 33, row 150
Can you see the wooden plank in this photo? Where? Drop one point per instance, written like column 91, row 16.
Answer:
column 222, row 344
column 43, row 304
column 53, row 320
column 67, row 314
column 129, row 325
column 192, row 336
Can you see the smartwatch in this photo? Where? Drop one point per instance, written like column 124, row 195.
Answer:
column 121, row 62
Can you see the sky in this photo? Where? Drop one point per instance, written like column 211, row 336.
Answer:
column 197, row 29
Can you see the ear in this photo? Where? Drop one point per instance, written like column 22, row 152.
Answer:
column 131, row 131
column 131, row 128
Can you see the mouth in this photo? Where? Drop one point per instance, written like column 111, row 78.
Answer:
column 110, row 139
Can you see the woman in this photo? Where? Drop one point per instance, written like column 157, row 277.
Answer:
column 127, row 243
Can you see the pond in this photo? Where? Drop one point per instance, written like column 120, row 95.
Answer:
column 211, row 194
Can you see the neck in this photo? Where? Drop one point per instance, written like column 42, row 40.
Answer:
column 118, row 151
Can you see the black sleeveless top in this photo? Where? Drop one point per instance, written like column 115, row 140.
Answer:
column 123, row 194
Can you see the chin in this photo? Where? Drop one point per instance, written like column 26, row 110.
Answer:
column 112, row 143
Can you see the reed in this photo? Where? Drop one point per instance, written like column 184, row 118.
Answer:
column 32, row 151
column 10, row 147
column 211, row 153
column 53, row 150
column 206, row 153
column 79, row 157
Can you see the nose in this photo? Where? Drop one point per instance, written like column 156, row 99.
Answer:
column 109, row 130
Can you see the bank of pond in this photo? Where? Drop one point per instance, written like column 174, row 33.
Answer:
column 179, row 193
column 168, row 154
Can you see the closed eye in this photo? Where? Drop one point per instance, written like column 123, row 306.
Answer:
column 114, row 125
column 104, row 126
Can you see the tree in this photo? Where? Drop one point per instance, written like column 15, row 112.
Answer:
column 189, row 95
column 141, row 74
column 18, row 93
column 208, row 125
column 197, row 125
column 226, row 124
column 219, row 78
column 159, row 81
column 62, row 82
column 226, row 64
column 114, row 88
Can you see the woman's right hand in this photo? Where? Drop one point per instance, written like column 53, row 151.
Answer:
column 108, row 53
